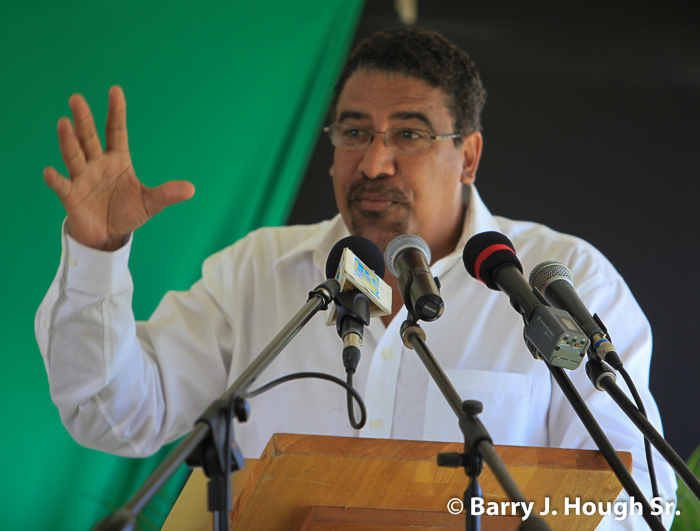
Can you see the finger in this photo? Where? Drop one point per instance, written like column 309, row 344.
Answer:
column 71, row 150
column 116, row 135
column 156, row 199
column 84, row 125
column 57, row 182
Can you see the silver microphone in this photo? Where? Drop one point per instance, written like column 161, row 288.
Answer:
column 408, row 259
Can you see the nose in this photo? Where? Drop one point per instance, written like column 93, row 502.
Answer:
column 378, row 160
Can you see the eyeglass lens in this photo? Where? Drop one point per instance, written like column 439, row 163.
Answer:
column 405, row 140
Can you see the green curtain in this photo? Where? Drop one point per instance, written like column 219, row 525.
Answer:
column 228, row 94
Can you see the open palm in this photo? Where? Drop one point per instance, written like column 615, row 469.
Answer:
column 103, row 198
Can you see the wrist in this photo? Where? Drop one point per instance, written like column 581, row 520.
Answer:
column 110, row 244
column 113, row 244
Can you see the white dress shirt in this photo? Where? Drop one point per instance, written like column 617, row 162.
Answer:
column 129, row 387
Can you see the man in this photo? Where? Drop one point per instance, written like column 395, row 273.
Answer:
column 408, row 143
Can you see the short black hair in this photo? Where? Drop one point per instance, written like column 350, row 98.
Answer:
column 428, row 56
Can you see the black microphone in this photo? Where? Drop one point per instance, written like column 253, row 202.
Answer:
column 408, row 259
column 490, row 257
column 555, row 282
column 353, row 307
column 366, row 250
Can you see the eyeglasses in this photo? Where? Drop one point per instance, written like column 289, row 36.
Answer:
column 401, row 139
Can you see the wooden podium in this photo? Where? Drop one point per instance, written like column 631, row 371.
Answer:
column 318, row 483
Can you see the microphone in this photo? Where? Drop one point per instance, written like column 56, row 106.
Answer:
column 490, row 258
column 408, row 259
column 555, row 282
column 358, row 266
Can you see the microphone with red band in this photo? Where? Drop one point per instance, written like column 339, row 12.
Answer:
column 490, row 257
column 487, row 253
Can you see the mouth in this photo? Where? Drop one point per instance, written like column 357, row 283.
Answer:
column 377, row 198
column 374, row 203
column 379, row 210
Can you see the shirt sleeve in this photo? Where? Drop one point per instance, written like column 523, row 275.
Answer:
column 122, row 386
column 631, row 334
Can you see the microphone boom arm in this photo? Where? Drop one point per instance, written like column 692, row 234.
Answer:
column 604, row 380
column 477, row 441
column 215, row 428
column 603, row 444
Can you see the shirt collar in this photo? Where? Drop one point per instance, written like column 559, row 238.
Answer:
column 319, row 243
column 476, row 220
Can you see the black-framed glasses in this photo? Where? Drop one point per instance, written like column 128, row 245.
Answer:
column 400, row 139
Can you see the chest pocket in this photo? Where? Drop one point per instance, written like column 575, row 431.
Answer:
column 506, row 400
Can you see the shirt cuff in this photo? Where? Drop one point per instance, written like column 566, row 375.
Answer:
column 92, row 270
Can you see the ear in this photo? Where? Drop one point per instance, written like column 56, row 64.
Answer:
column 471, row 154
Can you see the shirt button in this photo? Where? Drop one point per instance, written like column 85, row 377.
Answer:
column 376, row 423
column 387, row 354
column 72, row 261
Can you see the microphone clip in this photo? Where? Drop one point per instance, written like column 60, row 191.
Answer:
column 429, row 306
column 597, row 370
column 353, row 304
column 326, row 291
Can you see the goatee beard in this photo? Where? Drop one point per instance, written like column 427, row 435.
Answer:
column 380, row 226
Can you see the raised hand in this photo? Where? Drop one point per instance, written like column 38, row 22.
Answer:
column 103, row 198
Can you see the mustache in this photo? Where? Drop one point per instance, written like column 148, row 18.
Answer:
column 376, row 187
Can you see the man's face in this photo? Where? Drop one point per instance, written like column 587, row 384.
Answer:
column 382, row 194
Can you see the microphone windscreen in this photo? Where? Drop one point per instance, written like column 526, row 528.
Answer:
column 366, row 250
column 544, row 273
column 400, row 243
column 485, row 253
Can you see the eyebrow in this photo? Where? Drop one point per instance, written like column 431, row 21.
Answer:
column 355, row 115
column 412, row 115
column 401, row 115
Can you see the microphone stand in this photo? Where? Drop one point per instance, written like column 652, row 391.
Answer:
column 210, row 444
column 603, row 444
column 595, row 431
column 478, row 444
column 604, row 379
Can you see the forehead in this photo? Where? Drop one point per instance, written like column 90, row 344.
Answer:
column 381, row 96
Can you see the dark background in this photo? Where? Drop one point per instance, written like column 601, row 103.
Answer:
column 592, row 127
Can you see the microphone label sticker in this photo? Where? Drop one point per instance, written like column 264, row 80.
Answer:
column 366, row 276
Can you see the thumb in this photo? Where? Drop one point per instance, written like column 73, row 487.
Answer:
column 156, row 199
column 57, row 182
